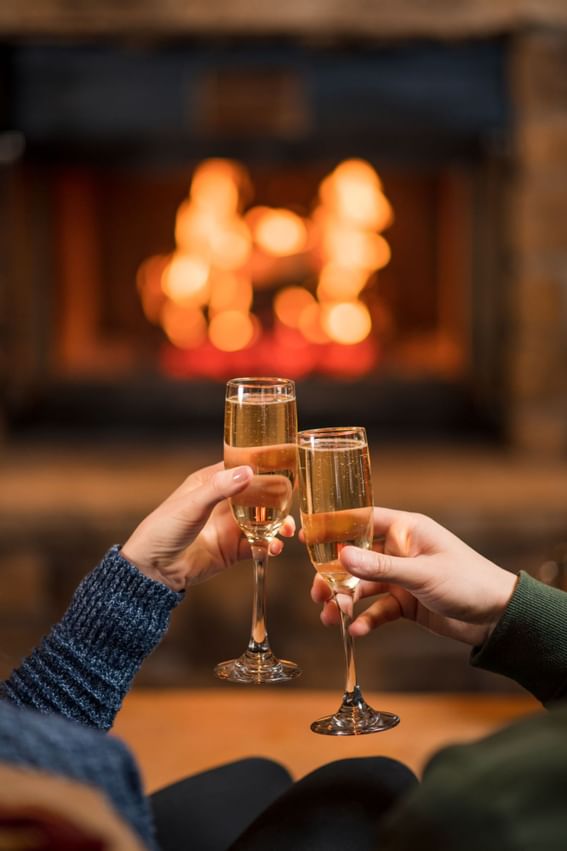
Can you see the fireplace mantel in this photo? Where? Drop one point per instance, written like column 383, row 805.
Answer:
column 312, row 18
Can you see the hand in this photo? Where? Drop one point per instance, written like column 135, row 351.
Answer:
column 426, row 574
column 193, row 535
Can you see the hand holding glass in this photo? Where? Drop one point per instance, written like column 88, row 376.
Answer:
column 260, row 429
column 336, row 511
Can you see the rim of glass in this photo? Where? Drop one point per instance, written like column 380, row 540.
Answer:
column 307, row 436
column 237, row 387
column 260, row 381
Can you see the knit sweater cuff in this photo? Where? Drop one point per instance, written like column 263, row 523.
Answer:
column 529, row 642
column 86, row 664
column 117, row 612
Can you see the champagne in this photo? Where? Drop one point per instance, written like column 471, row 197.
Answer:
column 260, row 431
column 336, row 504
column 327, row 533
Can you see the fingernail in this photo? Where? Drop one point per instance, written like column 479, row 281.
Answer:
column 240, row 474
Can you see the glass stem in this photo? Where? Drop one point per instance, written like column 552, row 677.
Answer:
column 352, row 689
column 259, row 634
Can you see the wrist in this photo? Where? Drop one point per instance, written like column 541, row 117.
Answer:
column 503, row 593
column 149, row 570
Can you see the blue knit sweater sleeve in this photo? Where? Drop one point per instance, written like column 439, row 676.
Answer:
column 84, row 667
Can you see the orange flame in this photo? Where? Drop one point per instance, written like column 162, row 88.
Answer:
column 280, row 232
column 289, row 304
column 206, row 287
column 347, row 322
column 231, row 330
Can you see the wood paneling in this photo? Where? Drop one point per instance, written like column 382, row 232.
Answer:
column 300, row 17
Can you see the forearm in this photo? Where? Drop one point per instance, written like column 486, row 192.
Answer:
column 529, row 642
column 85, row 665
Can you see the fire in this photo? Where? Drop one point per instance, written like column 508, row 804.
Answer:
column 230, row 291
column 231, row 330
column 217, row 187
column 280, row 232
column 347, row 322
column 340, row 283
column 185, row 280
column 290, row 303
column 202, row 295
column 354, row 192
column 186, row 327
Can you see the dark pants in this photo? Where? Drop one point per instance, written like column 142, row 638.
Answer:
column 253, row 805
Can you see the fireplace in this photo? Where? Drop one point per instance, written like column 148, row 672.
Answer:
column 115, row 136
column 107, row 113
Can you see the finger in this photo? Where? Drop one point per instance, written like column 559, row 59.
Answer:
column 384, row 610
column 367, row 588
column 330, row 615
column 275, row 547
column 264, row 459
column 270, row 491
column 320, row 591
column 196, row 506
column 288, row 527
column 383, row 518
column 381, row 567
column 301, row 535
column 378, row 544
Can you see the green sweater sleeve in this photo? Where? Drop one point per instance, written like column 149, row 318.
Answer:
column 529, row 642
column 506, row 792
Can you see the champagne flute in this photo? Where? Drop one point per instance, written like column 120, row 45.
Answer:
column 260, row 429
column 336, row 511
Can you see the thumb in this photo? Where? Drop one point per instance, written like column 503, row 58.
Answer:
column 199, row 503
column 382, row 567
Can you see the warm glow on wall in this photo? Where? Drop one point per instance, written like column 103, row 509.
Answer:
column 320, row 268
column 148, row 280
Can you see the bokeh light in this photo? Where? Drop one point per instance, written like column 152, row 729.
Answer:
column 311, row 324
column 231, row 330
column 186, row 327
column 230, row 291
column 217, row 185
column 280, row 232
column 339, row 283
column 184, row 280
column 355, row 248
column 289, row 304
column 347, row 322
column 226, row 256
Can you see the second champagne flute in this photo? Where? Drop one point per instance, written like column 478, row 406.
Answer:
column 260, row 430
column 336, row 510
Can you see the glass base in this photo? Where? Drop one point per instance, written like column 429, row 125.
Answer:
column 257, row 669
column 355, row 720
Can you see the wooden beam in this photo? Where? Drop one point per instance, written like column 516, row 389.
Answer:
column 312, row 18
